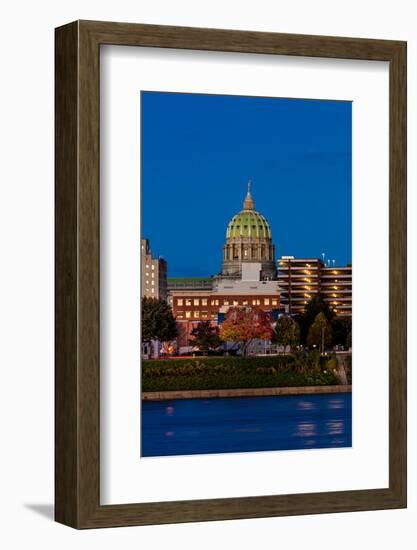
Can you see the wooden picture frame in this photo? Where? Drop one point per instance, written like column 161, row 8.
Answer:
column 77, row 405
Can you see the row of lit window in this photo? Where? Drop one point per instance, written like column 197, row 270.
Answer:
column 216, row 302
column 195, row 301
column 192, row 314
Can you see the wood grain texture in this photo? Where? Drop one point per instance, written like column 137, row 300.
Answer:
column 78, row 285
column 66, row 231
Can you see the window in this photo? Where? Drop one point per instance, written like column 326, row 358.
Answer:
column 204, row 314
column 179, row 301
column 196, row 301
column 225, row 302
column 196, row 314
column 153, row 267
column 215, row 302
column 188, row 301
column 204, row 301
column 266, row 301
column 180, row 314
column 274, row 302
column 245, row 303
column 188, row 314
column 235, row 303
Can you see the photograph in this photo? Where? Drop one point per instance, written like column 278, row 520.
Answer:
column 246, row 274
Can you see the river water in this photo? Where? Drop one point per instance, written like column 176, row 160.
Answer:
column 242, row 424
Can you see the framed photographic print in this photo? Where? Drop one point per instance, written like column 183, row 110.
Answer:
column 230, row 274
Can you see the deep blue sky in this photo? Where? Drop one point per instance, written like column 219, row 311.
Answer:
column 198, row 152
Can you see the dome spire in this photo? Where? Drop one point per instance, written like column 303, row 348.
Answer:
column 248, row 203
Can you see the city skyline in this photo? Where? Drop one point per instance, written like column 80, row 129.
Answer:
column 296, row 152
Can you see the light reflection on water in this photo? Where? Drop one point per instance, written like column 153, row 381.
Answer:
column 336, row 404
column 241, row 424
column 305, row 405
column 305, row 429
column 335, row 427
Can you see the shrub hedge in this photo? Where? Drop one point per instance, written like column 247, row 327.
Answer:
column 198, row 373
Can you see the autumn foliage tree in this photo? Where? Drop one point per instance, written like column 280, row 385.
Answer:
column 245, row 324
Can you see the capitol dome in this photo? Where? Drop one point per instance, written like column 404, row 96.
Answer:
column 248, row 239
column 248, row 223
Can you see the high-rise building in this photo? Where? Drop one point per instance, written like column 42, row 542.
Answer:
column 336, row 289
column 302, row 278
column 153, row 273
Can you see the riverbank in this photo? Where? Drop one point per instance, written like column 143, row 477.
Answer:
column 243, row 392
column 193, row 374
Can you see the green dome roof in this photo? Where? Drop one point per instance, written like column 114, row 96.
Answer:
column 248, row 223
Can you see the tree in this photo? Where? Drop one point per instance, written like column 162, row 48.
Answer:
column 341, row 328
column 158, row 323
column 244, row 324
column 320, row 332
column 205, row 336
column 286, row 332
column 349, row 339
column 314, row 306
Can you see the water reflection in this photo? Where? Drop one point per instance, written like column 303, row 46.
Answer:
column 335, row 427
column 305, row 405
column 242, row 424
column 305, row 429
column 336, row 404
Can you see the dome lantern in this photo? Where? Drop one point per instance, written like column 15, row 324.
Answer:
column 248, row 203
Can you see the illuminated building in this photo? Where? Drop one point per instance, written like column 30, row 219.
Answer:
column 248, row 240
column 153, row 272
column 302, row 278
column 248, row 276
